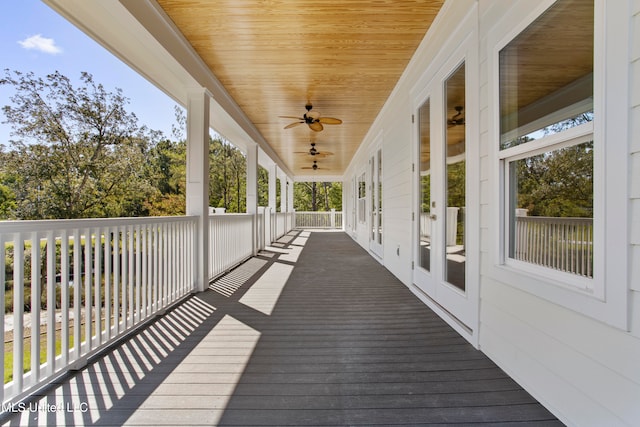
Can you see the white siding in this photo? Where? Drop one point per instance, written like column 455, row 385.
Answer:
column 635, row 171
column 585, row 371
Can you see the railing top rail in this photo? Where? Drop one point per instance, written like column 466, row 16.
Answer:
column 555, row 219
column 230, row 215
column 68, row 224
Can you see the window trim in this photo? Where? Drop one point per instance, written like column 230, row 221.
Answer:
column 607, row 298
column 569, row 138
column 362, row 198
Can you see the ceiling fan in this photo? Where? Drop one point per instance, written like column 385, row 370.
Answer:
column 314, row 166
column 314, row 152
column 458, row 118
column 312, row 119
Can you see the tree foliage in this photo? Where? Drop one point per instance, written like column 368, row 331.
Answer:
column 78, row 149
column 79, row 153
column 558, row 183
column 317, row 196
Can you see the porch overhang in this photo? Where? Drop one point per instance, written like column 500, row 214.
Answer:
column 262, row 61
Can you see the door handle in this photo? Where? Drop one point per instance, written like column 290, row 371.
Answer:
column 433, row 217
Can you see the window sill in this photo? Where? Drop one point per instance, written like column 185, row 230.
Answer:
column 581, row 296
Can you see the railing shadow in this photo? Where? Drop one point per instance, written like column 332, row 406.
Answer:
column 139, row 376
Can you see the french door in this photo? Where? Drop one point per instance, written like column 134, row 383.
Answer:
column 375, row 221
column 440, row 255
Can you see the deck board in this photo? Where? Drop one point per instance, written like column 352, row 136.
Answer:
column 324, row 337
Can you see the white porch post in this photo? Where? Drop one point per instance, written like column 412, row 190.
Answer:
column 252, row 189
column 289, row 195
column 283, row 191
column 273, row 178
column 289, row 217
column 198, row 179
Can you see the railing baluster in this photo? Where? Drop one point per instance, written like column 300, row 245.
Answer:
column 131, row 281
column 18, row 309
column 124, row 278
column 64, row 298
column 97, row 283
column 156, row 268
column 36, row 278
column 138, row 271
column 144, row 265
column 108, row 305
column 51, row 307
column 116, row 280
column 3, row 285
column 88, row 315
column 165, row 266
column 77, row 284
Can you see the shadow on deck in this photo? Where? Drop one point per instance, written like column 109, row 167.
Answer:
column 320, row 336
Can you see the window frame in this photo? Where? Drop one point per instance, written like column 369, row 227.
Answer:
column 568, row 138
column 362, row 198
column 605, row 296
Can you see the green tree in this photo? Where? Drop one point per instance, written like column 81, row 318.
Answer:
column 263, row 186
column 7, row 201
column 79, row 152
column 314, row 196
column 557, row 183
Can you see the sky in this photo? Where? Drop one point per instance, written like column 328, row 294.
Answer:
column 34, row 38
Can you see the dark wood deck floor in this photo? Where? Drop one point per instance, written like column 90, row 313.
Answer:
column 313, row 332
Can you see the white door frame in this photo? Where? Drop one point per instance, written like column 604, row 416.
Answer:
column 375, row 204
column 458, row 308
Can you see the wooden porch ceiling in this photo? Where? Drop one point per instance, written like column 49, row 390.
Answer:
column 273, row 57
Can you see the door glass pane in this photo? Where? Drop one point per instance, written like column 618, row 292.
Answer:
column 380, row 197
column 374, row 211
column 425, row 185
column 454, row 268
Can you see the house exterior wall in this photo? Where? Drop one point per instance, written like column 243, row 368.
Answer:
column 634, row 176
column 581, row 366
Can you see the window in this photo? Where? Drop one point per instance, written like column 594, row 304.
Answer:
column 546, row 147
column 362, row 199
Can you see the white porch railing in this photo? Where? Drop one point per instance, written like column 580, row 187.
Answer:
column 230, row 241
column 96, row 279
column 564, row 244
column 71, row 287
column 327, row 219
column 452, row 225
column 282, row 223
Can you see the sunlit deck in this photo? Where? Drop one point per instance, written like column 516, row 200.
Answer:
column 312, row 331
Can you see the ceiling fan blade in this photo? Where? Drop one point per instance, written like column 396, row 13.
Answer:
column 293, row 124
column 292, row 117
column 318, row 155
column 316, row 126
column 329, row 120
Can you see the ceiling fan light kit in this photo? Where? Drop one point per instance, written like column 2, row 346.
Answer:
column 313, row 151
column 458, row 118
column 314, row 166
column 313, row 119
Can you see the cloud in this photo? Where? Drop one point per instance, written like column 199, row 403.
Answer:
column 42, row 44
